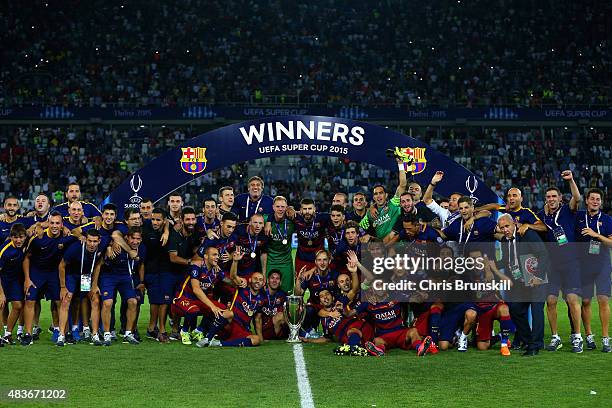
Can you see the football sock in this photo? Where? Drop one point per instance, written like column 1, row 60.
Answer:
column 434, row 323
column 188, row 322
column 245, row 342
column 504, row 323
column 354, row 339
column 217, row 325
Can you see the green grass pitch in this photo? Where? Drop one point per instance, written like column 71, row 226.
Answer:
column 153, row 374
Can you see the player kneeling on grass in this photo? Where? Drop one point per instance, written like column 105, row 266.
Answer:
column 342, row 325
column 273, row 320
column 390, row 330
column 248, row 302
column 195, row 296
column 116, row 274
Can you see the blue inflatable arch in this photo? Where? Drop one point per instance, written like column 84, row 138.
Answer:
column 292, row 135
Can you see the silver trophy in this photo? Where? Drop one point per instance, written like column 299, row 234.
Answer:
column 294, row 312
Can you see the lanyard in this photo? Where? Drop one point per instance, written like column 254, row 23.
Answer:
column 210, row 274
column 224, row 247
column 130, row 267
column 452, row 217
column 516, row 261
column 338, row 238
column 270, row 304
column 461, row 233
column 252, row 246
column 93, row 262
column 204, row 223
column 251, row 306
column 586, row 221
column 256, row 207
column 555, row 220
column 283, row 235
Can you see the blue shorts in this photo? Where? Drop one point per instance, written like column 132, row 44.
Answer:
column 453, row 319
column 597, row 279
column 110, row 283
column 169, row 284
column 46, row 282
column 13, row 287
column 565, row 277
column 156, row 295
column 139, row 294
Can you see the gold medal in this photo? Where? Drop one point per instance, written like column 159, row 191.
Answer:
column 310, row 242
column 284, row 242
column 250, row 313
column 252, row 254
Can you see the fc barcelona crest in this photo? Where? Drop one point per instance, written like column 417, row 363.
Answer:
column 193, row 160
column 413, row 158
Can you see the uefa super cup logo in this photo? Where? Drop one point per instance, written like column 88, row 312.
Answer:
column 136, row 185
column 471, row 185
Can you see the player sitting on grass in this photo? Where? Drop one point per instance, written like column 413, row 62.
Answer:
column 389, row 328
column 341, row 325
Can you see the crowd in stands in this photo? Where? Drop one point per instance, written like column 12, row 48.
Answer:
column 47, row 159
column 393, row 52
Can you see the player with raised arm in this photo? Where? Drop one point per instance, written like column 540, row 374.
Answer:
column 446, row 215
column 350, row 242
column 560, row 221
column 384, row 213
column 315, row 280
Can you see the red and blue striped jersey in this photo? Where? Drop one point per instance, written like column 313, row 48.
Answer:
column 245, row 305
column 386, row 316
column 310, row 235
column 317, row 283
column 207, row 279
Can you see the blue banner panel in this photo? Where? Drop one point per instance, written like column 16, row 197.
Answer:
column 209, row 112
column 293, row 135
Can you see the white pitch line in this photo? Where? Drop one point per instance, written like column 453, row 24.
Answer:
column 302, row 377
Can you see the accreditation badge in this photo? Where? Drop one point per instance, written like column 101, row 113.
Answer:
column 594, row 247
column 515, row 271
column 560, row 236
column 85, row 283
